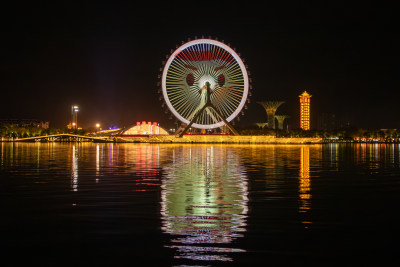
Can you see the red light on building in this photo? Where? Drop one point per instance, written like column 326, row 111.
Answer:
column 305, row 110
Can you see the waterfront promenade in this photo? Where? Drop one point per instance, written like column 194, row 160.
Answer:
column 221, row 139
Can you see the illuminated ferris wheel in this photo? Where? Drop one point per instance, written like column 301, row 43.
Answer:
column 205, row 84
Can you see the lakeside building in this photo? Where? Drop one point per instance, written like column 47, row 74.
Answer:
column 145, row 128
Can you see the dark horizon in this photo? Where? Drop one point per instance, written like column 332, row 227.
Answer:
column 106, row 59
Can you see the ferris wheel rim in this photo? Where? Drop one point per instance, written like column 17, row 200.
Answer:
column 239, row 62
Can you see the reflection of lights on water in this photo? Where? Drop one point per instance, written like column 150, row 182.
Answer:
column 74, row 173
column 111, row 154
column 97, row 162
column 12, row 154
column 205, row 249
column 392, row 154
column 143, row 162
column 38, row 155
column 204, row 201
column 304, row 181
column 373, row 156
column 363, row 152
column 376, row 156
column 200, row 253
column 335, row 155
column 147, row 162
column 2, row 154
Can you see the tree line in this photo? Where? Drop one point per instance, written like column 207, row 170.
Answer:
column 351, row 134
column 13, row 131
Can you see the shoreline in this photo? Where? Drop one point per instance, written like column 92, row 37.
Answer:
column 173, row 139
column 190, row 139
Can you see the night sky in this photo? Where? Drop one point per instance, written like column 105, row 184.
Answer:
column 106, row 59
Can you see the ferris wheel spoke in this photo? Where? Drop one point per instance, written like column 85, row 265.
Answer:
column 229, row 101
column 224, row 110
column 188, row 106
column 179, row 102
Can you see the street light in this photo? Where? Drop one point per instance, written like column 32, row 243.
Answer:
column 74, row 111
column 98, row 126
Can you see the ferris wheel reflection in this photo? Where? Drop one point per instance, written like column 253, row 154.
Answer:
column 204, row 202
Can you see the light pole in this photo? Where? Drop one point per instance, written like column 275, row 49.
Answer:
column 98, row 127
column 74, row 114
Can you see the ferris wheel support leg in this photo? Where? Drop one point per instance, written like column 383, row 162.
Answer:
column 225, row 121
column 192, row 121
column 219, row 115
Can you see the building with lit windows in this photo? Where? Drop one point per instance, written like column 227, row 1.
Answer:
column 305, row 110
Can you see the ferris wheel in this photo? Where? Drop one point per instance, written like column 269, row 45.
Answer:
column 205, row 84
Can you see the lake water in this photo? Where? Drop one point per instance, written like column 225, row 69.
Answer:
column 86, row 204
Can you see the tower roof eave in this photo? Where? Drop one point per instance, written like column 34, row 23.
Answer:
column 305, row 94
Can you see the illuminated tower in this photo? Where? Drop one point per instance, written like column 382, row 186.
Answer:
column 270, row 108
column 281, row 119
column 305, row 110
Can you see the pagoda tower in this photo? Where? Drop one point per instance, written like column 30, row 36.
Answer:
column 305, row 111
column 271, row 107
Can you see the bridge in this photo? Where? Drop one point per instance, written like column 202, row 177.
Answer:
column 64, row 138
